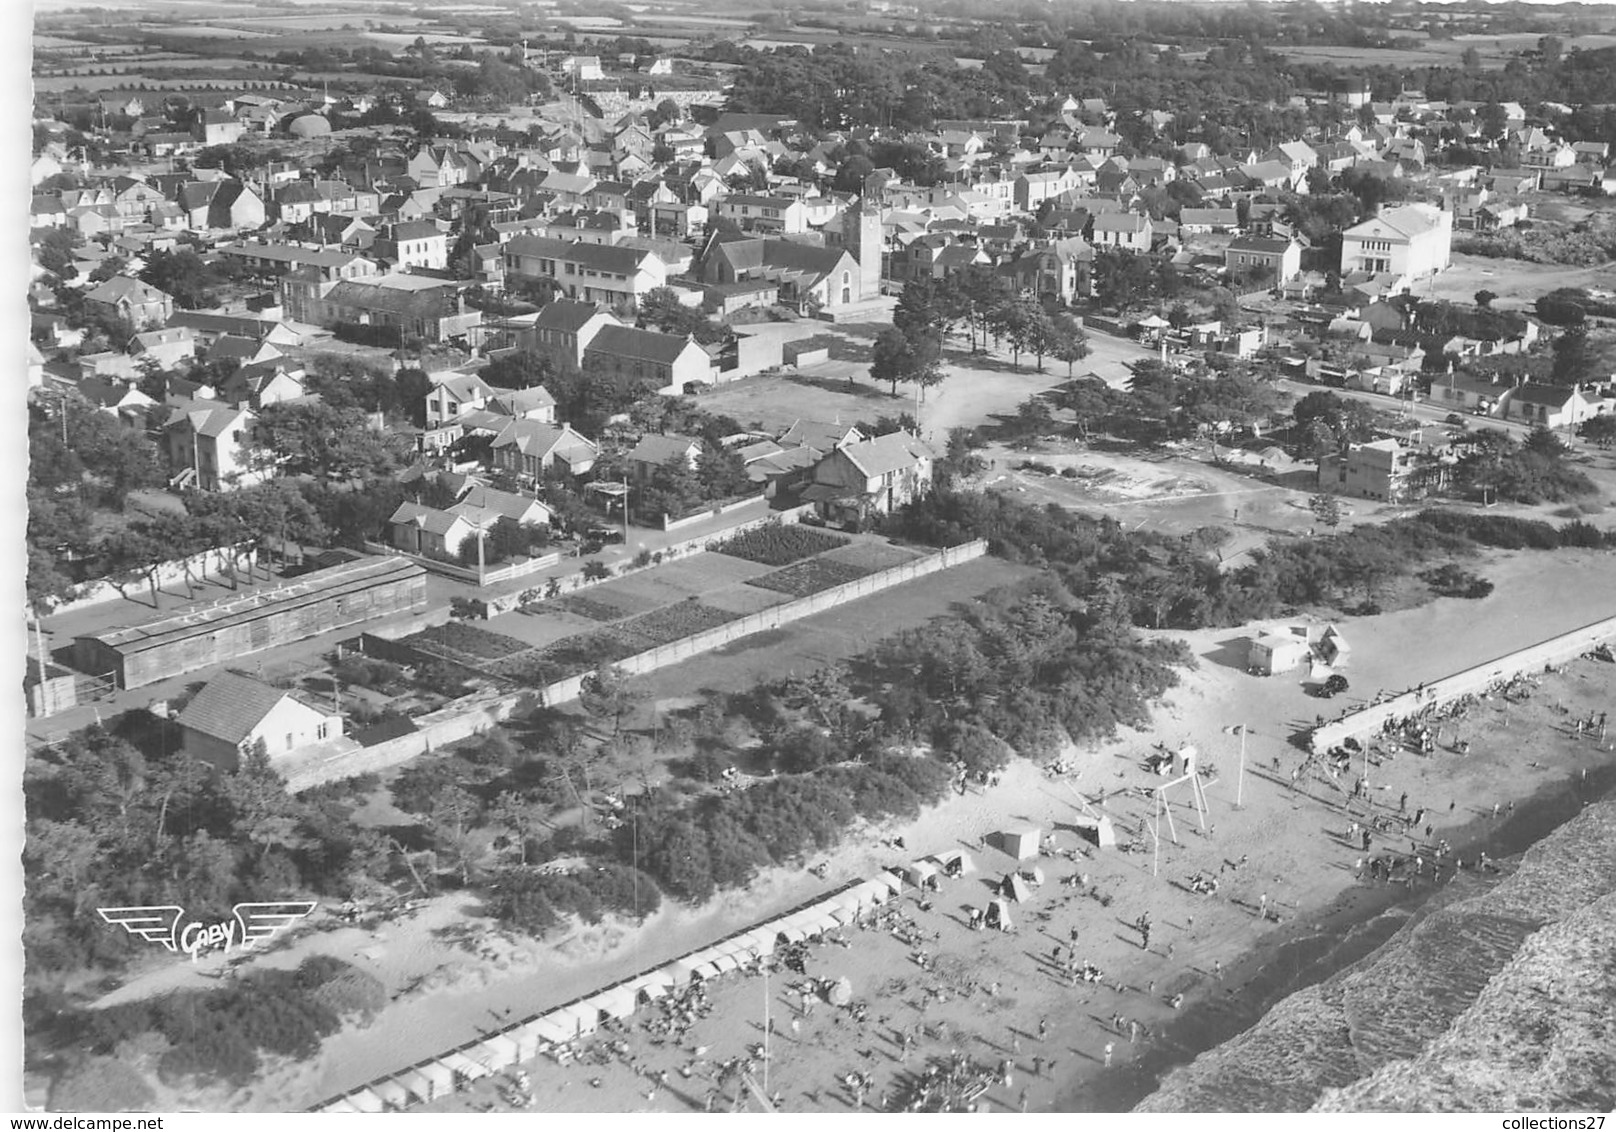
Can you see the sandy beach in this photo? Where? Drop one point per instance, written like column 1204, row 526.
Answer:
column 981, row 994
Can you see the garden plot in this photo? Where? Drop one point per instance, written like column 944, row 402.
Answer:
column 871, row 556
column 809, row 577
column 779, row 545
column 465, row 644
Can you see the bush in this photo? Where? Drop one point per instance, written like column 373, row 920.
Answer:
column 536, row 901
column 101, row 1084
column 805, row 748
column 366, row 672
column 1453, row 580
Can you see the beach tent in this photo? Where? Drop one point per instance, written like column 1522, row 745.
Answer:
column 760, row 941
column 679, row 972
column 955, row 862
column 789, row 930
column 652, row 986
column 918, row 873
column 1033, row 876
column 440, row 1076
column 1101, row 831
column 503, row 1050
column 419, row 1085
column 577, row 1020
column 366, row 1100
column 727, row 962
column 1154, row 322
column 1333, row 647
column 469, row 1069
column 555, row 1030
column 1014, row 888
column 884, row 885
column 618, row 1002
column 1020, row 843
column 393, row 1094
column 997, row 915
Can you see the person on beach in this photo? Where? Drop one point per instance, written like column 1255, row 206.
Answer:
column 1109, row 1046
column 1133, row 1030
column 1402, row 803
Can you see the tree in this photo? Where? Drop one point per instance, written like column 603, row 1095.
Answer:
column 1326, row 506
column 184, row 275
column 1071, row 344
column 522, row 369
column 606, row 694
column 897, row 358
column 1484, row 298
column 1600, row 430
column 1573, row 363
column 331, row 445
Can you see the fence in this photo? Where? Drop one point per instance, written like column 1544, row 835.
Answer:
column 752, row 501
column 219, row 559
column 490, row 576
column 1533, row 658
column 494, row 605
column 471, row 715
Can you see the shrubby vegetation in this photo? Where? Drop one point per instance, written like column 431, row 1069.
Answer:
column 220, row 1034
column 1176, row 582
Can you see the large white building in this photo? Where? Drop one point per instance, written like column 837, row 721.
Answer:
column 1411, row 240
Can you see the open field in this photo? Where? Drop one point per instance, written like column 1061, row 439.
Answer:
column 976, row 388
column 1517, row 283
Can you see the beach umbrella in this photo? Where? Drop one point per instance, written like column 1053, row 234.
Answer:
column 841, row 991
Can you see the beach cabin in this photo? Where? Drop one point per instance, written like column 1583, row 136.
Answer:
column 1022, row 844
column 1278, row 649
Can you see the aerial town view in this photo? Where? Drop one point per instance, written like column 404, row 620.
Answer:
column 836, row 557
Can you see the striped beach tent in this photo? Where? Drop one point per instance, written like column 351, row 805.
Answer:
column 366, row 1100
column 467, row 1067
column 393, row 1094
column 419, row 1085
column 555, row 1030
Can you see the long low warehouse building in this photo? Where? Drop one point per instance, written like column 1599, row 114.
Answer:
column 225, row 630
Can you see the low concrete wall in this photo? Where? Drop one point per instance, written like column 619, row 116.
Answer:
column 1556, row 650
column 466, row 717
column 212, row 563
column 493, row 575
column 752, row 501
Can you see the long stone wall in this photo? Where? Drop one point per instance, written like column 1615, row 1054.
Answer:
column 1533, row 658
column 466, row 717
column 206, row 565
